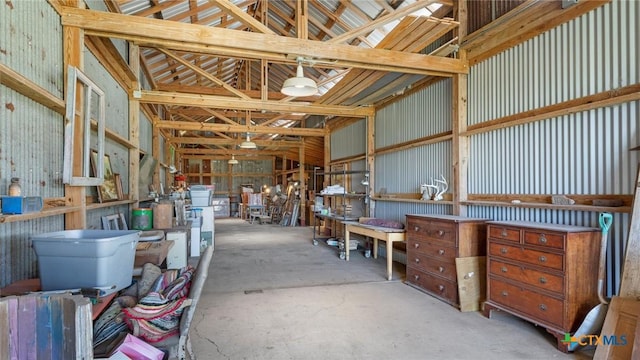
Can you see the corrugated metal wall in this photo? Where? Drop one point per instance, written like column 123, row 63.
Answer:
column 349, row 141
column 28, row 130
column 425, row 113
column 31, row 136
column 582, row 153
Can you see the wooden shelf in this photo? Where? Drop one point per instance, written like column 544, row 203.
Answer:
column 349, row 195
column 109, row 204
column 575, row 207
column 60, row 210
column 110, row 134
column 40, row 214
column 405, row 200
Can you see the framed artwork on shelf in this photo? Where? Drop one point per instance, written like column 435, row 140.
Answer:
column 118, row 180
column 108, row 190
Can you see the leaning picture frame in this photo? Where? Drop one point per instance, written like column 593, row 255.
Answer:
column 108, row 190
column 118, row 181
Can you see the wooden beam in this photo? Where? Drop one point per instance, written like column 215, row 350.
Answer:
column 222, row 102
column 134, row 131
column 372, row 25
column 460, row 143
column 75, row 196
column 371, row 158
column 107, row 54
column 28, row 88
column 302, row 19
column 196, row 126
column 242, row 16
column 595, row 101
column 204, row 74
column 242, row 44
column 219, row 152
column 531, row 18
column 219, row 141
column 432, row 139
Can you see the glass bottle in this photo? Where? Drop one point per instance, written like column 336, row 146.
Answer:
column 14, row 188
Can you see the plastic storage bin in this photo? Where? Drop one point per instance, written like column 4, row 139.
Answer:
column 74, row 259
column 21, row 204
column 200, row 195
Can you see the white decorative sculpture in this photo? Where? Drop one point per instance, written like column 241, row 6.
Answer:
column 442, row 187
column 434, row 190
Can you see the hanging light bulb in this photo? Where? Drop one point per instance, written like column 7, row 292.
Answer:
column 233, row 160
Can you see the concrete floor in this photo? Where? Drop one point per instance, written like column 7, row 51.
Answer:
column 271, row 294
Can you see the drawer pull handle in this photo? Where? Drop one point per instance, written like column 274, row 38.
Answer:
column 542, row 259
column 503, row 250
column 440, row 252
column 503, row 269
column 542, row 239
column 416, row 277
column 441, row 287
column 440, row 268
column 417, row 260
column 504, row 233
column 416, row 228
column 504, row 293
column 416, row 245
column 440, row 232
column 542, row 307
column 543, row 280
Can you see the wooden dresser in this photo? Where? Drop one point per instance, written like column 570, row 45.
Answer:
column 433, row 244
column 543, row 273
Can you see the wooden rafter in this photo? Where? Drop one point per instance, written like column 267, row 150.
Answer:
column 204, row 73
column 195, row 38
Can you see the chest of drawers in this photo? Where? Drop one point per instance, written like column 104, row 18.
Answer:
column 433, row 244
column 543, row 273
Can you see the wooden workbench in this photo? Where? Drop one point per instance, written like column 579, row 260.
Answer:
column 390, row 235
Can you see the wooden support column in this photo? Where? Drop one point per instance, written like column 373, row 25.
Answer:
column 284, row 172
column 460, row 144
column 73, row 44
column 370, row 159
column 274, row 179
column 264, row 87
column 302, row 19
column 327, row 157
column 169, row 160
column 303, row 184
column 155, row 151
column 134, row 128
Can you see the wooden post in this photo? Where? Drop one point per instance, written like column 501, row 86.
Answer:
column 303, row 185
column 155, row 151
column 460, row 144
column 134, row 128
column 73, row 44
column 371, row 148
column 302, row 19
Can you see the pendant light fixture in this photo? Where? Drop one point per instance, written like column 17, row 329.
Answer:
column 299, row 85
column 233, row 160
column 248, row 144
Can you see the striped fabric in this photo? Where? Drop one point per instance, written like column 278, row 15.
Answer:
column 157, row 315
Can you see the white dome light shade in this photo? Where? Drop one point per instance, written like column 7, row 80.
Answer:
column 248, row 144
column 299, row 85
column 233, row 160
